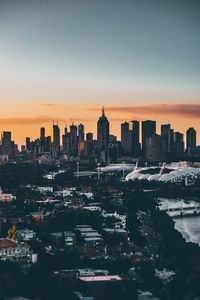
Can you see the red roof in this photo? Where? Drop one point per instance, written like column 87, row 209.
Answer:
column 5, row 243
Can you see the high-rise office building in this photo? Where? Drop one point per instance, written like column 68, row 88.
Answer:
column 191, row 137
column 66, row 141
column 103, row 131
column 42, row 133
column 135, row 128
column 28, row 144
column 166, row 139
column 81, row 134
column 126, row 139
column 48, row 144
column 177, row 145
column 56, row 135
column 148, row 129
column 154, row 148
column 42, row 139
column 73, row 139
column 89, row 136
column 55, row 147
column 89, row 144
column 6, row 143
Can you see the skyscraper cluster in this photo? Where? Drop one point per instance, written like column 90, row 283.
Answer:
column 139, row 140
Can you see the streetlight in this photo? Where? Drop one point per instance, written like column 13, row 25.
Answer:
column 123, row 170
column 98, row 171
column 77, row 170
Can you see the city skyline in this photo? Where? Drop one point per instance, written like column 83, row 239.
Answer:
column 90, row 125
column 142, row 129
column 139, row 140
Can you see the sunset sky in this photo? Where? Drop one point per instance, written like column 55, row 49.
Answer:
column 63, row 60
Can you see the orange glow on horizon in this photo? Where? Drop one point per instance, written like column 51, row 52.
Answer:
column 23, row 127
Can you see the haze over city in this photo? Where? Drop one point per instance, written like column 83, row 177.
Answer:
column 63, row 60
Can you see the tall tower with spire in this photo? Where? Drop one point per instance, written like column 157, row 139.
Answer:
column 103, row 132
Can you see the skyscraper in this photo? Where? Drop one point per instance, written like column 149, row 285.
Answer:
column 166, row 139
column 103, row 131
column 42, row 133
column 135, row 128
column 66, row 141
column 42, row 139
column 73, row 139
column 28, row 144
column 191, row 140
column 56, row 140
column 81, row 134
column 148, row 129
column 56, row 135
column 126, row 139
column 6, row 143
column 89, row 144
column 178, row 145
column 48, row 144
column 154, row 148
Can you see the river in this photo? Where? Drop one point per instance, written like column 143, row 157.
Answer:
column 188, row 226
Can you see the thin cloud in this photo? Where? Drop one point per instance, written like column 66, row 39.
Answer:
column 48, row 104
column 179, row 110
column 28, row 120
column 38, row 120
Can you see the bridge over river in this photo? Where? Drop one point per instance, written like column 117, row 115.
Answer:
column 182, row 211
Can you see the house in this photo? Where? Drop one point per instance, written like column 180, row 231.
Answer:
column 6, row 197
column 66, row 238
column 15, row 251
column 45, row 189
column 25, row 235
column 40, row 215
column 64, row 193
column 92, row 208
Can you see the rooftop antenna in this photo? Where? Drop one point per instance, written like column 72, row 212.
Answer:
column 103, row 111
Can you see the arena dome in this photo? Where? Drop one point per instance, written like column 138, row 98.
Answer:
column 170, row 173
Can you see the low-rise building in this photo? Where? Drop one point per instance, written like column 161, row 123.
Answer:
column 45, row 189
column 6, row 197
column 92, row 208
column 15, row 251
column 4, row 159
column 66, row 238
column 64, row 193
column 88, row 236
column 25, row 235
column 40, row 215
